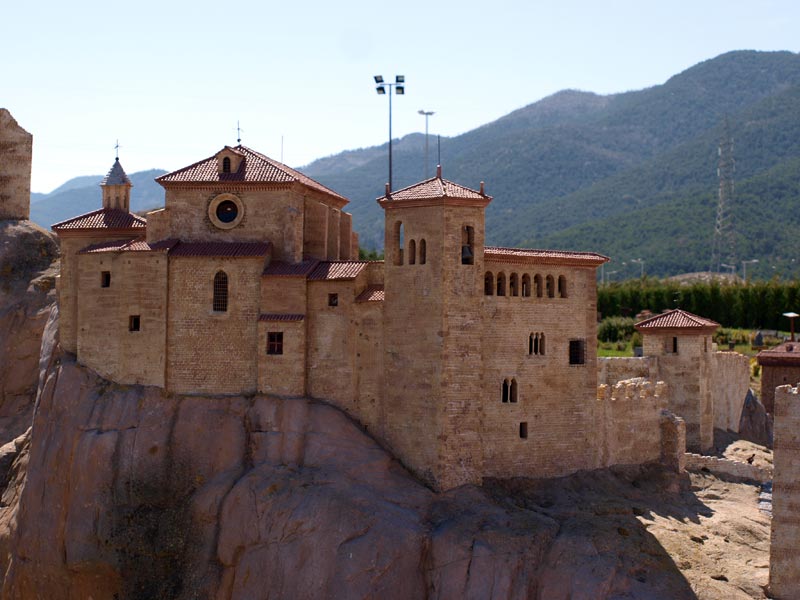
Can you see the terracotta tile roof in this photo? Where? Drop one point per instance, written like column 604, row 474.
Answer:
column 494, row 253
column 134, row 245
column 338, row 269
column 105, row 218
column 676, row 319
column 279, row 317
column 116, row 176
column 278, row 268
column 255, row 168
column 783, row 355
column 435, row 187
column 222, row 249
column 372, row 293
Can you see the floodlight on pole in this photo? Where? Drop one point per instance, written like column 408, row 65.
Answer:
column 744, row 267
column 426, row 114
column 400, row 90
column 791, row 316
column 640, row 262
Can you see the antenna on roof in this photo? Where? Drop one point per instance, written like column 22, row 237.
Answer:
column 438, row 149
column 116, row 149
column 239, row 131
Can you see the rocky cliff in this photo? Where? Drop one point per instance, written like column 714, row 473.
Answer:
column 127, row 492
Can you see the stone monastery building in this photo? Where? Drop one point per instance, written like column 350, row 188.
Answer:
column 468, row 361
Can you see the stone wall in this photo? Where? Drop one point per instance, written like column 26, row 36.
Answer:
column 726, row 467
column 773, row 377
column 282, row 374
column 730, row 381
column 16, row 149
column 137, row 287
column 611, row 370
column 213, row 352
column 629, row 413
column 784, row 561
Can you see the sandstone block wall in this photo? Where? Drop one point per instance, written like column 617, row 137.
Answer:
column 730, row 381
column 723, row 466
column 345, row 233
column 158, row 225
column 16, row 150
column 269, row 214
column 315, row 228
column 773, row 377
column 673, row 441
column 283, row 374
column 213, row 352
column 105, row 341
column 611, row 370
column 629, row 417
column 556, row 400
column 334, row 224
column 784, row 561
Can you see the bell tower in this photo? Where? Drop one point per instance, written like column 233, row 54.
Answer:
column 116, row 188
column 433, row 278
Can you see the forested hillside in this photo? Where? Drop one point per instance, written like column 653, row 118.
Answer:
column 632, row 175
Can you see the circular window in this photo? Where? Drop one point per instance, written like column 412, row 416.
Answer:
column 226, row 211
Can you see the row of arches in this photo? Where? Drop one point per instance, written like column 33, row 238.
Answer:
column 413, row 247
column 417, row 251
column 522, row 286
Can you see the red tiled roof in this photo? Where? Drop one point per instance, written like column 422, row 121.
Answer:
column 676, row 319
column 783, row 355
column 338, row 269
column 105, row 218
column 221, row 249
column 255, row 168
column 283, row 269
column 434, row 188
column 494, row 253
column 280, row 317
column 372, row 293
column 134, row 245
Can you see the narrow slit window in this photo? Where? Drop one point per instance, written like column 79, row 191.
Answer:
column 226, row 165
column 398, row 243
column 134, row 323
column 220, row 303
column 275, row 342
column 105, row 279
column 412, row 252
column 513, row 394
column 674, row 345
column 523, row 430
column 423, row 251
column 505, row 391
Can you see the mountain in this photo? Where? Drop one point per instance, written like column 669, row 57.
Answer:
column 595, row 172
column 82, row 194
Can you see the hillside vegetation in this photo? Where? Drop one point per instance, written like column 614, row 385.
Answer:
column 632, row 175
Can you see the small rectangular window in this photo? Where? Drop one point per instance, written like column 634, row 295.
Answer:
column 333, row 299
column 134, row 323
column 275, row 342
column 105, row 279
column 523, row 430
column 674, row 345
column 577, row 352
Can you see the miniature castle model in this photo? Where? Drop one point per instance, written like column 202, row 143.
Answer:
column 16, row 146
column 468, row 361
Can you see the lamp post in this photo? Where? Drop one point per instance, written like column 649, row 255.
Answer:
column 791, row 316
column 731, row 267
column 400, row 89
column 744, row 267
column 640, row 262
column 426, row 114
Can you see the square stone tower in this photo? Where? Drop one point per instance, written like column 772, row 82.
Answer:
column 16, row 149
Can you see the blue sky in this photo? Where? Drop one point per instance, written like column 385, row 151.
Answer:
column 170, row 79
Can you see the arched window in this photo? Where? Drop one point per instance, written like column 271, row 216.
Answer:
column 537, row 283
column 398, row 243
column 226, row 165
column 488, row 283
column 562, row 286
column 467, row 245
column 412, row 252
column 501, row 284
column 513, row 395
column 505, row 391
column 513, row 283
column 541, row 343
column 536, row 344
column 422, row 251
column 220, row 292
column 551, row 287
column 526, row 285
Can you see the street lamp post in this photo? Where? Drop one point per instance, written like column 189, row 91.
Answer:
column 791, row 316
column 400, row 90
column 426, row 114
column 731, row 267
column 744, row 267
